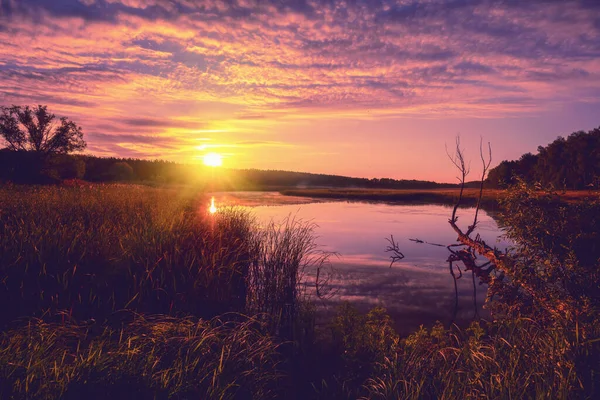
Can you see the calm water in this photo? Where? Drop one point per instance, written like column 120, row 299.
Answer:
column 417, row 290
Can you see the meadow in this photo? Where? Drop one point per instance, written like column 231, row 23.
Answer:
column 125, row 290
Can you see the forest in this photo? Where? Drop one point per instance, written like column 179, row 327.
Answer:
column 566, row 163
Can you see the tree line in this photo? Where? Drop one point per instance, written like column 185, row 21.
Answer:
column 566, row 163
column 28, row 167
column 38, row 149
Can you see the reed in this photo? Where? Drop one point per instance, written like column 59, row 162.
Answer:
column 94, row 251
column 151, row 357
column 284, row 252
column 520, row 359
column 122, row 290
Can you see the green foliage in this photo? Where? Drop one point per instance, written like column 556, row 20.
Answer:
column 365, row 339
column 558, row 247
column 62, row 166
column 97, row 169
column 33, row 167
column 359, row 345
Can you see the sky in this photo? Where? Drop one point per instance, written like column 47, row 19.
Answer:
column 367, row 88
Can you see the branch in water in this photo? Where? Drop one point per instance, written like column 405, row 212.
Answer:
column 393, row 248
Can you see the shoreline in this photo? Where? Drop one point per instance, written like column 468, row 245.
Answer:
column 427, row 196
column 404, row 196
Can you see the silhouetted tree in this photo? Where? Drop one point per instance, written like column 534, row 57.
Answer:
column 35, row 129
column 571, row 163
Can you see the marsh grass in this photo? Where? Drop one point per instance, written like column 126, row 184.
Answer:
column 520, row 359
column 285, row 251
column 152, row 357
column 94, row 251
column 123, row 290
column 86, row 269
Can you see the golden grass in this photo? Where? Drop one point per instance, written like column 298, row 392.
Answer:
column 148, row 358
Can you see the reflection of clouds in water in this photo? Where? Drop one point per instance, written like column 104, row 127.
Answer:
column 412, row 296
column 418, row 290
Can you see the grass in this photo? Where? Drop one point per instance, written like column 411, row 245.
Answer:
column 98, row 255
column 285, row 250
column 93, row 251
column 123, row 290
column 518, row 359
column 147, row 358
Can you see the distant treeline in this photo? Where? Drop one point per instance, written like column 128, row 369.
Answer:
column 32, row 167
column 571, row 163
column 304, row 179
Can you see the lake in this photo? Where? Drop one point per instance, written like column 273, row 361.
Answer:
column 416, row 290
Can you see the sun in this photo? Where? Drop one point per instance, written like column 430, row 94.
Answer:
column 213, row 160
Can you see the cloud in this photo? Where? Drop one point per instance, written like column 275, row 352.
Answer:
column 160, row 123
column 262, row 61
column 129, row 138
column 252, row 143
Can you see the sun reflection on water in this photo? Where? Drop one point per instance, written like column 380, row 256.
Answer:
column 212, row 209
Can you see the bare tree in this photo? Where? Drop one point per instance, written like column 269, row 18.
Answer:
column 35, row 129
column 470, row 247
column 461, row 252
column 503, row 272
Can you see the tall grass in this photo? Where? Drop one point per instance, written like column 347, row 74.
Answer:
column 133, row 291
column 284, row 251
column 519, row 359
column 94, row 251
column 103, row 254
column 148, row 358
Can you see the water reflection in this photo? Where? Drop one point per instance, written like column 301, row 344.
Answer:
column 212, row 208
column 417, row 290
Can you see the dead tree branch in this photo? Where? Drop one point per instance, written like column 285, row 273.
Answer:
column 496, row 259
column 459, row 162
column 486, row 165
column 394, row 248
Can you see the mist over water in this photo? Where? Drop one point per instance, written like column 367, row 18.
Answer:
column 417, row 290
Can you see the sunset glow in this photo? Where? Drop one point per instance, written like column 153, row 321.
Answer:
column 360, row 88
column 212, row 208
column 213, row 160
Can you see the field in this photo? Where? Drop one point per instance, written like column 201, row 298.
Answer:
column 131, row 291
